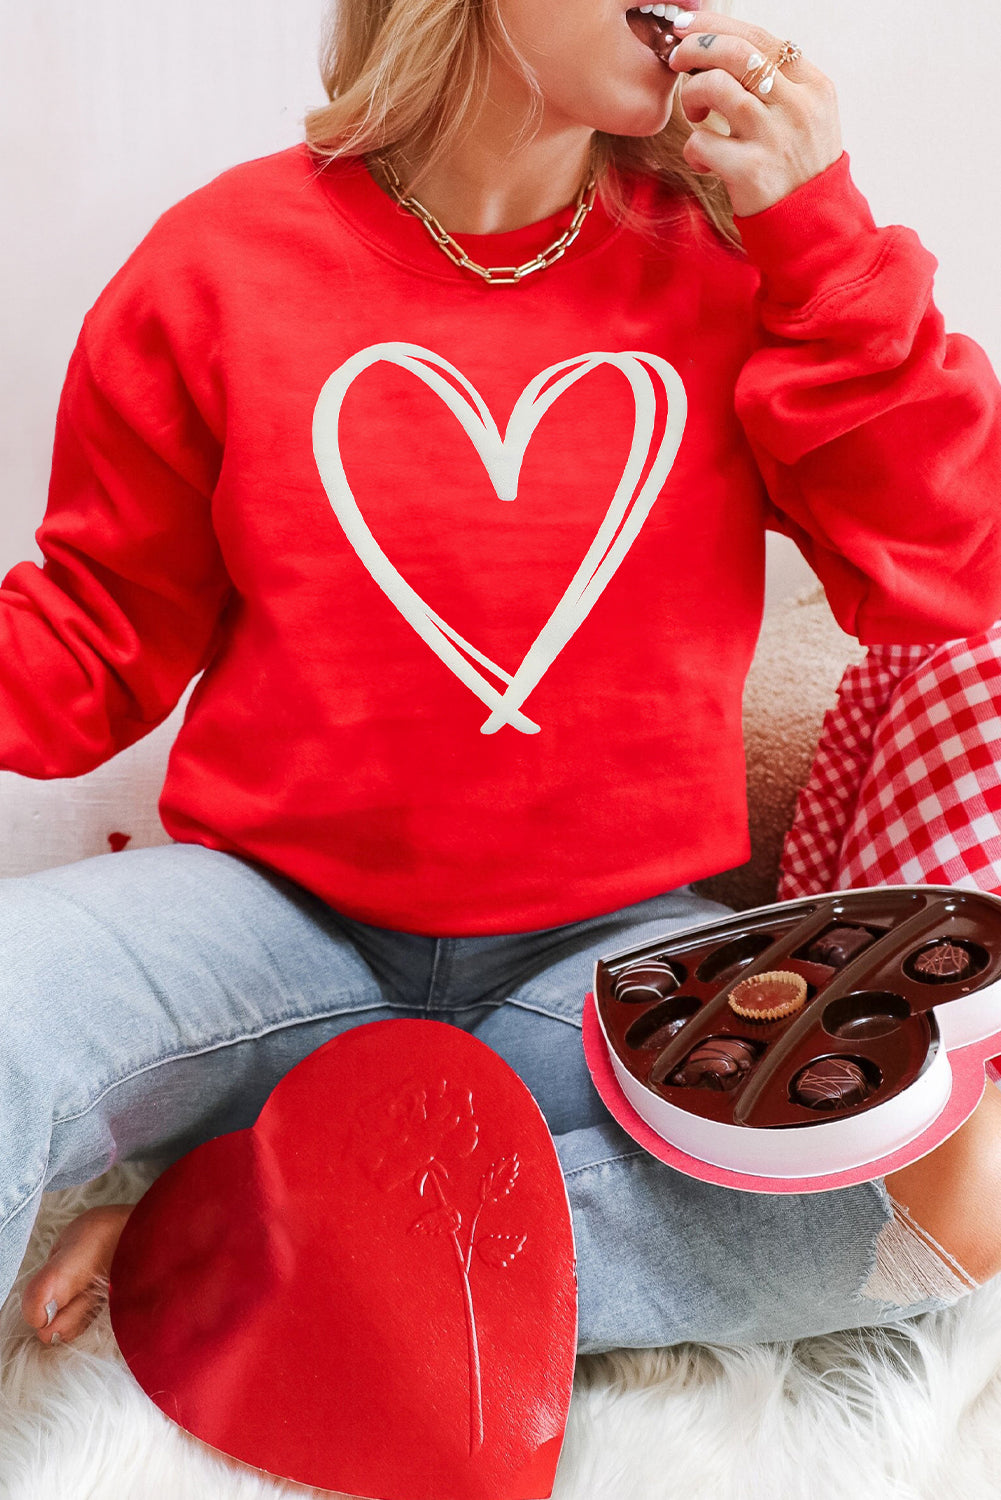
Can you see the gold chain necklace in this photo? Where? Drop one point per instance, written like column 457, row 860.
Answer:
column 493, row 275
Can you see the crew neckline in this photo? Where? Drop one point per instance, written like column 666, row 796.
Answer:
column 372, row 215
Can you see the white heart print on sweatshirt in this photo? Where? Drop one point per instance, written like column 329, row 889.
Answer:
column 502, row 458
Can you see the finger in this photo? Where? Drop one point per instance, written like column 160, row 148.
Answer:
column 710, row 50
column 720, row 25
column 707, row 151
column 706, row 24
column 746, row 115
column 745, row 167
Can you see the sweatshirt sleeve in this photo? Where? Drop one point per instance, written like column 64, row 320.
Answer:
column 877, row 434
column 98, row 643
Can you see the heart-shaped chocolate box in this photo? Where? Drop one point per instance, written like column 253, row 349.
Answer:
column 371, row 1290
column 897, row 979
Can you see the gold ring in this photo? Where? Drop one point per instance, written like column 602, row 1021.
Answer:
column 788, row 53
column 759, row 75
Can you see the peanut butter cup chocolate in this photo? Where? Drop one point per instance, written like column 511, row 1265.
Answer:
column 770, row 996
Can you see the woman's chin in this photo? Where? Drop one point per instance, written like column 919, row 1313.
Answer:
column 632, row 96
column 643, row 107
column 638, row 122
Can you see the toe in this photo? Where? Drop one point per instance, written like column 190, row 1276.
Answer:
column 47, row 1291
column 80, row 1259
column 50, row 1293
column 71, row 1320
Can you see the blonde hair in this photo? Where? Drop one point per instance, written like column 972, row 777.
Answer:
column 404, row 76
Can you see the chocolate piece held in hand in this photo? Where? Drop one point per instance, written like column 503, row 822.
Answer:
column 831, row 1083
column 769, row 997
column 839, row 945
column 943, row 963
column 644, row 982
column 720, row 1062
column 653, row 31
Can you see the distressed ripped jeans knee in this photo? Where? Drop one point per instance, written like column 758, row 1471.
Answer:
column 912, row 1267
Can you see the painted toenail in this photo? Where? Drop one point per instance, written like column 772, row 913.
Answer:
column 51, row 1308
column 54, row 1340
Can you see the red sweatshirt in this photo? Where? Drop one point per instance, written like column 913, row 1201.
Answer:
column 473, row 574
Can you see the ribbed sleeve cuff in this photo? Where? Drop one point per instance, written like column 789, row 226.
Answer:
column 804, row 244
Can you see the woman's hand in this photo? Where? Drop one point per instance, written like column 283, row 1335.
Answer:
column 778, row 140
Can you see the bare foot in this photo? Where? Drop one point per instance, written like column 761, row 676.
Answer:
column 70, row 1289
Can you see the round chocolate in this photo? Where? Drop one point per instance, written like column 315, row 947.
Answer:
column 831, row 1083
column 943, row 963
column 720, row 1062
column 644, row 982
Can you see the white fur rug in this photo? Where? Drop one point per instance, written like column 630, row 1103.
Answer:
column 910, row 1413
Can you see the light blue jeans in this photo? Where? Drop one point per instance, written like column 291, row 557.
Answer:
column 152, row 999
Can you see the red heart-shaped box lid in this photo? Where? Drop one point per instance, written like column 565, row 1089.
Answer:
column 372, row 1290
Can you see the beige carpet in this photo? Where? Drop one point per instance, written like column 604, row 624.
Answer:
column 898, row 1414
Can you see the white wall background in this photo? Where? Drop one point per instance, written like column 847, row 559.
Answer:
column 112, row 109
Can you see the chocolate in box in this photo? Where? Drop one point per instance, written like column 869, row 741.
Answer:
column 895, row 978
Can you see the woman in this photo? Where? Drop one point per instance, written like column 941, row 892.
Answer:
column 471, row 562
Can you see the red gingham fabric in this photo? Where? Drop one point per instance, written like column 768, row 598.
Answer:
column 929, row 805
column 906, row 785
column 828, row 801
